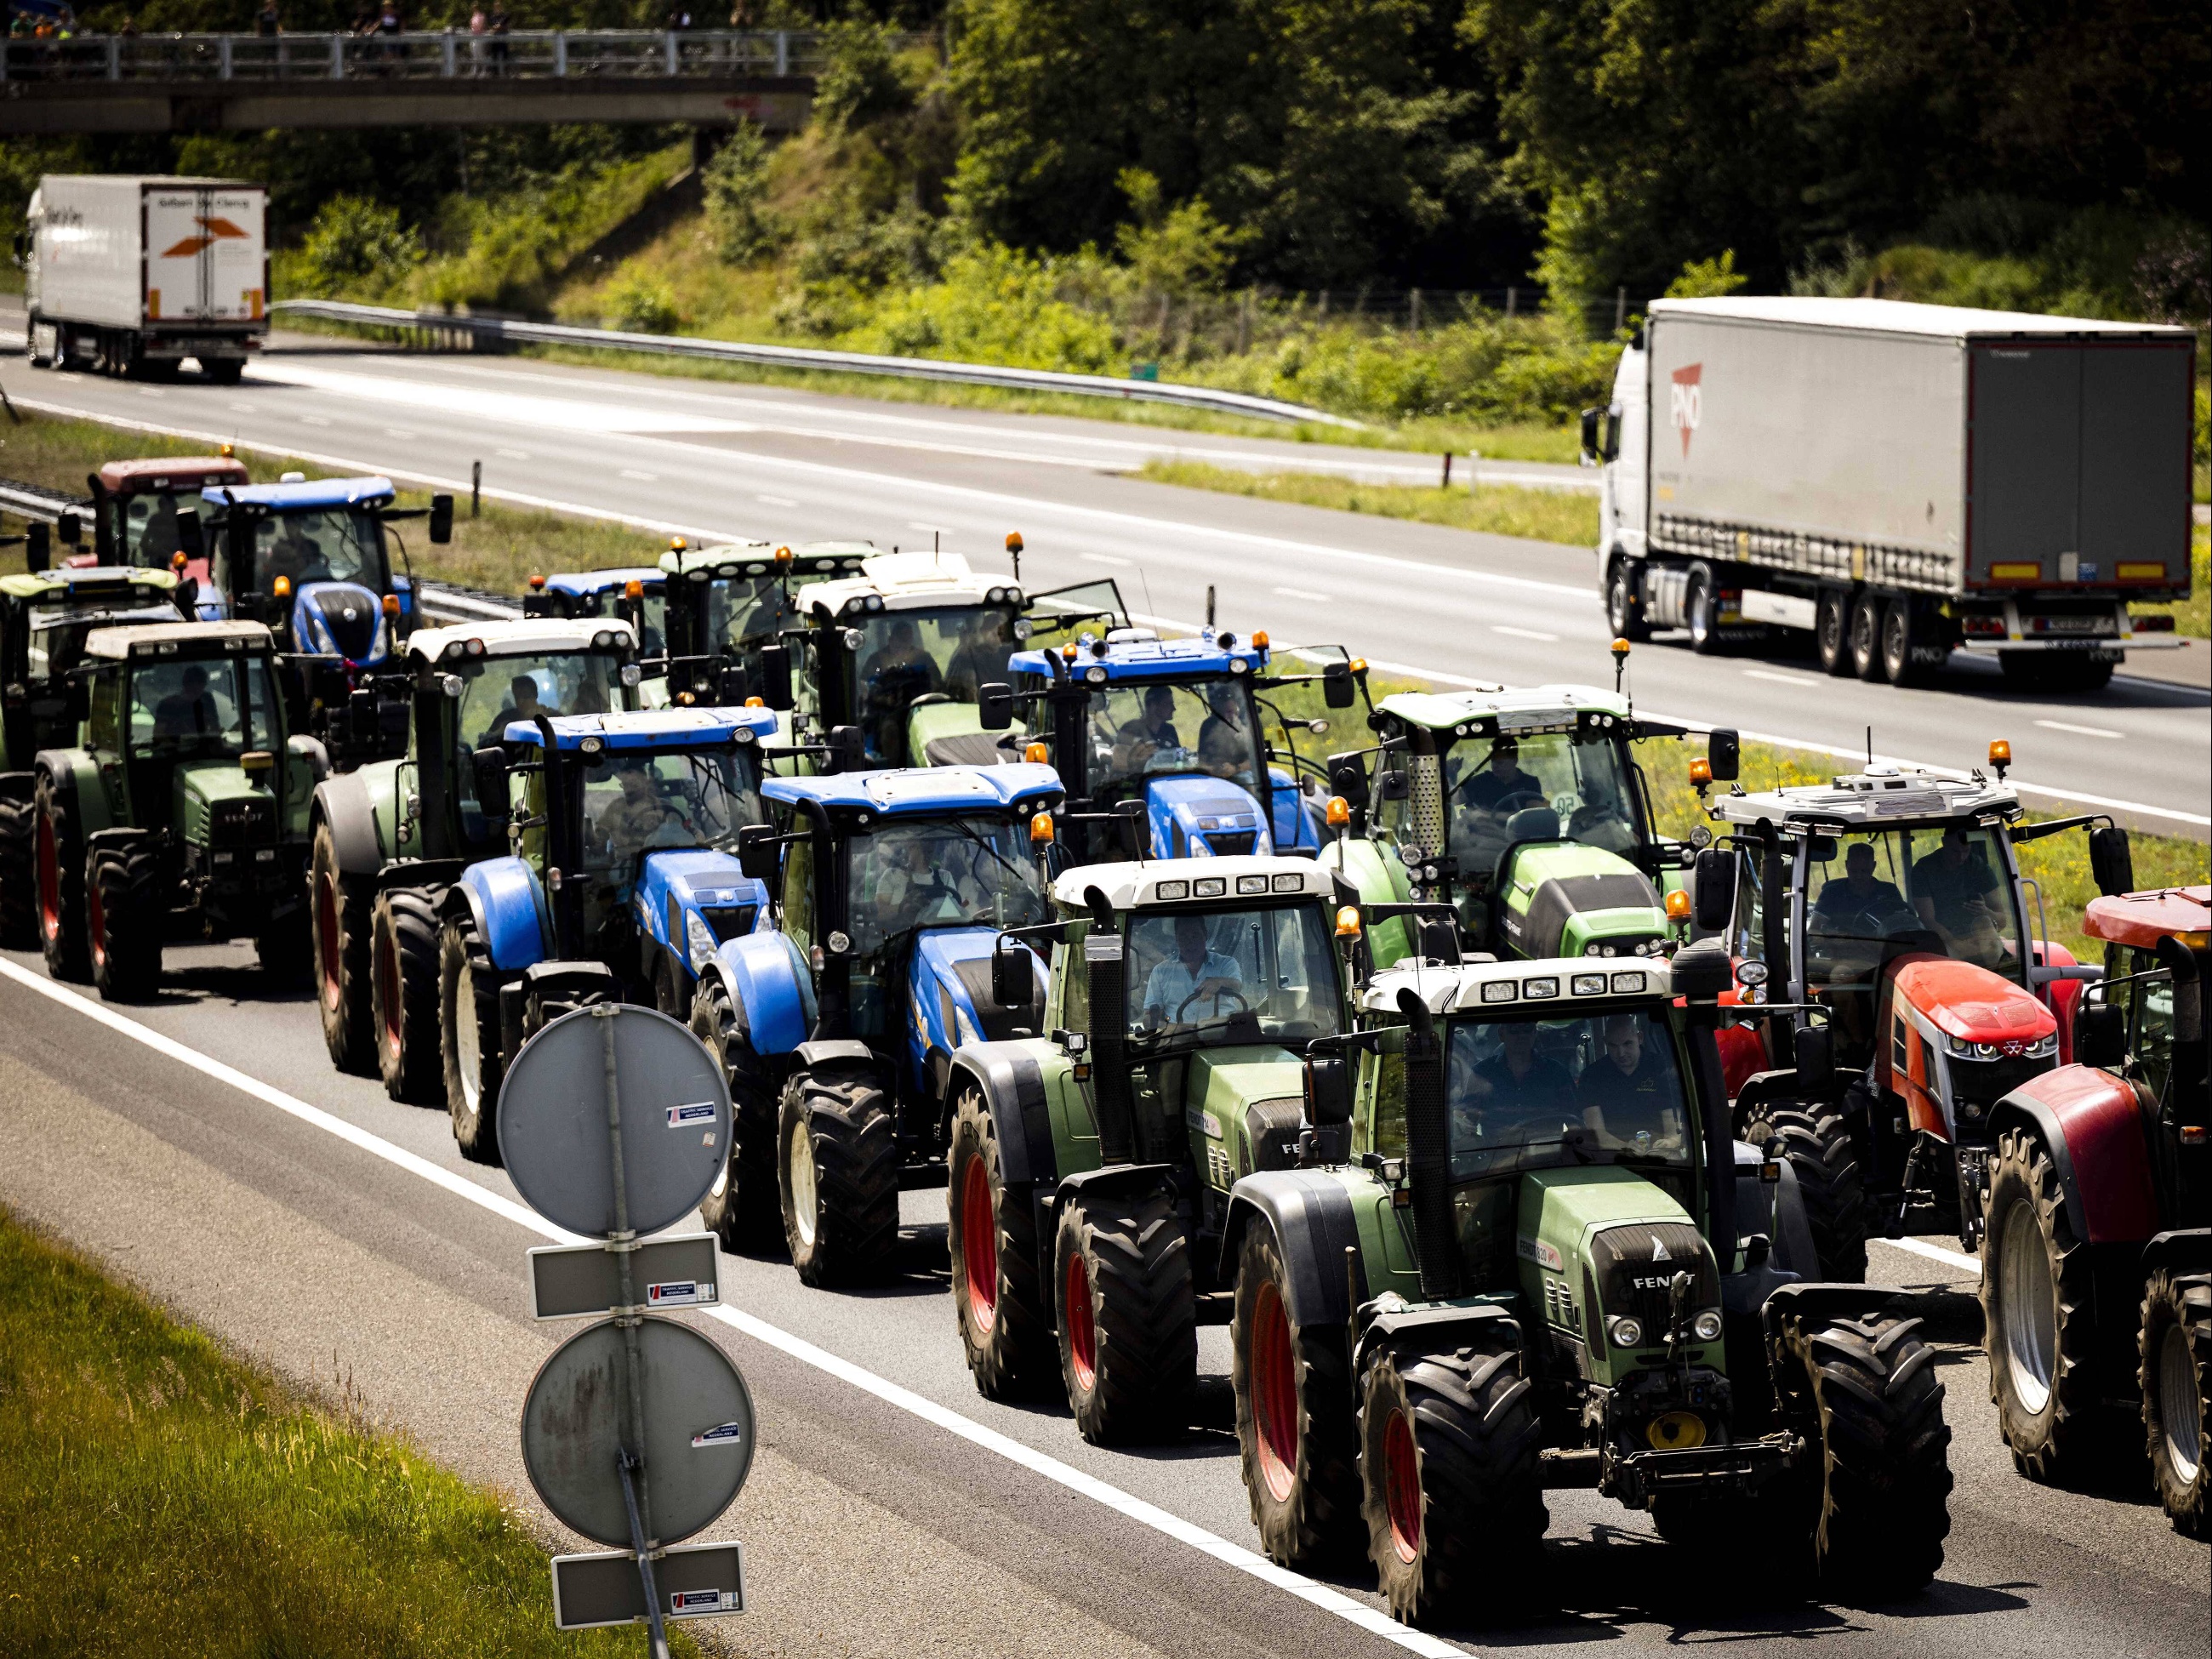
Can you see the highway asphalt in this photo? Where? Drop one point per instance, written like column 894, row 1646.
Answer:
column 721, row 460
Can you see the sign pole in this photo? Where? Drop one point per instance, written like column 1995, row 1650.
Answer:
column 632, row 1457
column 657, row 1631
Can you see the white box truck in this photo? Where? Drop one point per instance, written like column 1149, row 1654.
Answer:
column 134, row 275
column 1901, row 481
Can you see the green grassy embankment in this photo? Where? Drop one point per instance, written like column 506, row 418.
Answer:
column 1544, row 515
column 165, row 1499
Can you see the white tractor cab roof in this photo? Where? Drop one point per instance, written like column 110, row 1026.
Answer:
column 764, row 558
column 1514, row 710
column 176, row 639
column 533, row 636
column 1194, row 881
column 910, row 581
column 1545, row 989
column 1881, row 797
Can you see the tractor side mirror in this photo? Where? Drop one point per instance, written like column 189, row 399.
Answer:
column 730, row 687
column 1714, row 901
column 847, row 750
column 441, row 519
column 1816, row 1061
column 1328, row 1091
column 1702, row 972
column 361, row 715
column 185, row 596
column 2101, row 1034
column 2111, row 860
column 775, row 677
column 1725, row 752
column 71, row 528
column 1337, row 690
column 1013, row 980
column 76, row 700
column 38, row 546
column 1395, row 784
column 1348, row 778
column 994, row 707
column 759, row 853
column 490, row 766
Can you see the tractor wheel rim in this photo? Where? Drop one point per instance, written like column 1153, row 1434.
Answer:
column 50, row 881
column 326, row 935
column 2030, row 1320
column 1401, row 1487
column 1274, row 1393
column 2180, row 1412
column 799, row 1177
column 1082, row 1329
column 387, row 979
column 468, row 1043
column 979, row 1247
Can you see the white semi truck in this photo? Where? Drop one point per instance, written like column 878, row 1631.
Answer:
column 1901, row 481
column 134, row 275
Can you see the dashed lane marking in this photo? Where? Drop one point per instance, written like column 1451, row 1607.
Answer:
column 2080, row 730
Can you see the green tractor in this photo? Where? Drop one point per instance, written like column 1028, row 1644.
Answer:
column 1090, row 1160
column 1541, row 1261
column 725, row 610
column 183, row 813
column 44, row 616
column 1524, row 810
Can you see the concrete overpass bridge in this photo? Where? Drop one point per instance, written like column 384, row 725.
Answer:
column 246, row 82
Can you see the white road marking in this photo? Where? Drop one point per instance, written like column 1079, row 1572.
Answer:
column 933, row 529
column 515, row 454
column 1306, row 593
column 776, row 501
column 1106, row 558
column 398, row 432
column 2080, row 730
column 242, row 408
column 312, row 420
column 1524, row 634
column 1778, row 679
column 1321, row 1596
column 642, row 478
column 1933, row 1253
column 151, row 391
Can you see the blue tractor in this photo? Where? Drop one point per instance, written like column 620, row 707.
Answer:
column 894, row 888
column 636, row 594
column 1173, row 733
column 621, row 883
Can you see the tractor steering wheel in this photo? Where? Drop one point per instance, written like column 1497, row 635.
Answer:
column 1217, row 996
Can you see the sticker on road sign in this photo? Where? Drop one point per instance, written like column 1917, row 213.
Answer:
column 722, row 1434
column 699, row 1111
column 692, row 1603
column 679, row 1293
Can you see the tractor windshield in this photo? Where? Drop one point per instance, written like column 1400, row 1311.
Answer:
column 324, row 544
column 152, row 529
column 56, row 644
column 941, row 872
column 744, row 610
column 496, row 691
column 1143, row 731
column 905, row 656
column 635, row 803
column 215, row 709
column 608, row 602
column 1211, row 978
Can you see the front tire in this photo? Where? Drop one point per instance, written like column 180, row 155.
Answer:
column 1831, row 632
column 1298, row 1425
column 339, row 924
column 2038, row 1315
column 1818, row 1149
column 2175, row 1346
column 1128, row 1317
column 469, row 1039
column 1865, row 637
column 403, row 995
column 1623, row 608
column 1454, row 1505
column 19, row 872
column 1701, row 607
column 60, row 865
column 743, row 1210
column 123, row 917
column 838, row 1160
column 1899, row 637
column 998, row 1286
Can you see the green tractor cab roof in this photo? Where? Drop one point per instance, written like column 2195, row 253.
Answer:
column 649, row 729
column 91, row 584
column 909, row 581
column 532, row 636
column 180, row 639
column 1193, row 881
column 1879, row 798
column 1516, row 711
column 810, row 559
column 1498, row 988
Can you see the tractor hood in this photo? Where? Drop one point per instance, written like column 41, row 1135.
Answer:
column 1201, row 816
column 695, row 900
column 1250, row 1104
column 214, row 801
column 341, row 619
column 1566, row 899
column 1972, row 1004
column 951, row 1002
column 951, row 734
column 1610, row 1234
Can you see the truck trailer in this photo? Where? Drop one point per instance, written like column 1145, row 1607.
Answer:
column 1899, row 481
column 132, row 275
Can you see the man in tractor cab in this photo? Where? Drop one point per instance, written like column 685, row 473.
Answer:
column 163, row 537
column 642, row 816
column 1631, row 1095
column 1861, row 903
column 1194, row 973
column 1515, row 1088
column 890, row 680
column 188, row 711
column 1951, row 889
column 522, row 704
column 294, row 554
column 1505, row 787
column 1152, row 730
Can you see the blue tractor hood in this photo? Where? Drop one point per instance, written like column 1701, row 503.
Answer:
column 696, row 900
column 1203, row 817
column 341, row 619
column 949, row 994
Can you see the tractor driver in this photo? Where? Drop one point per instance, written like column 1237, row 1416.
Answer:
column 294, row 554
column 1223, row 748
column 890, row 680
column 641, row 816
column 1955, row 890
column 522, row 704
column 1193, row 974
column 1505, row 787
column 1152, row 730
column 1861, row 904
column 163, row 535
column 1629, row 1095
column 189, row 711
column 980, row 659
column 1515, row 1095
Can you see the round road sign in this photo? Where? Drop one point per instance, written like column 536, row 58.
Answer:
column 675, row 1108
column 697, row 1444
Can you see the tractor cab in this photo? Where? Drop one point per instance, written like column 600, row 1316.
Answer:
column 727, row 608
column 636, row 594
column 1176, row 731
column 145, row 511
column 44, row 618
column 1524, row 810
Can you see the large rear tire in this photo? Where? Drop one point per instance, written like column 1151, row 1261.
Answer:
column 1701, row 611
column 742, row 1210
column 403, row 994
column 998, row 1280
column 60, row 864
column 1623, row 606
column 1452, row 1496
column 1901, row 633
column 2175, row 1346
column 339, row 924
column 19, row 871
column 1129, row 1316
column 469, row 1039
column 838, row 1160
column 1866, row 612
column 1831, row 632
column 123, row 917
column 2038, row 1315
column 1298, row 1425
column 1818, row 1149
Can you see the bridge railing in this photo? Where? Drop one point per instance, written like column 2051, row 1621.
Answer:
column 451, row 54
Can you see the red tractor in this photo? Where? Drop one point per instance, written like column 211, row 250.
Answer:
column 1895, row 899
column 2097, row 1262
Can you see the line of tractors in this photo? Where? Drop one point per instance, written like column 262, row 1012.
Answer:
column 1520, row 1146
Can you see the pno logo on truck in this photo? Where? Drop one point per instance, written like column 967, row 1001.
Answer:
column 218, row 230
column 1685, row 402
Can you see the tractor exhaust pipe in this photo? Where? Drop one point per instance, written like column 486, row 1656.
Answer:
column 1103, row 960
column 1428, row 1145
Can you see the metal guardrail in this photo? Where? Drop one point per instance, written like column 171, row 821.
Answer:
column 36, row 502
column 808, row 357
column 450, row 54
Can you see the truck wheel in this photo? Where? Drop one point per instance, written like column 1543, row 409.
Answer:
column 743, row 1210
column 839, row 1159
column 2176, row 1349
column 1866, row 611
column 1298, row 1425
column 2053, row 671
column 338, row 922
column 1885, row 1454
column 61, row 887
column 1818, row 1148
column 998, row 1286
column 224, row 371
column 1128, row 1317
column 469, row 1039
column 1832, row 631
column 19, row 872
column 1898, row 636
column 1453, row 1505
column 1701, row 607
column 2038, row 1315
column 403, row 995
column 124, row 916
column 1624, row 610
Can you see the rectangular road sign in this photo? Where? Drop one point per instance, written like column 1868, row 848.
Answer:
column 695, row 1581
column 567, row 1280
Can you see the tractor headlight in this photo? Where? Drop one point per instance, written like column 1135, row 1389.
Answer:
column 1624, row 1333
column 1706, row 1327
column 2043, row 1047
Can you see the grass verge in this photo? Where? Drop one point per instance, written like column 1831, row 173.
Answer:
column 2192, row 617
column 1546, row 515
column 165, row 1499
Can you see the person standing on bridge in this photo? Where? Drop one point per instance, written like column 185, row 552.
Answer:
column 266, row 23
column 477, row 24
